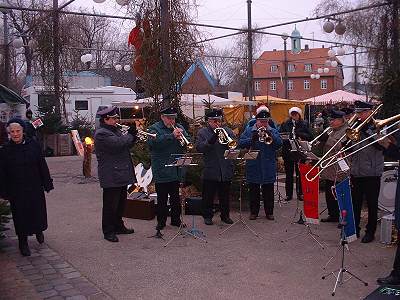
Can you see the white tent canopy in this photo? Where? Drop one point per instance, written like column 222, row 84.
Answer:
column 335, row 97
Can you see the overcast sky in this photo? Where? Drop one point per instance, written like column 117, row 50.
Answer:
column 233, row 13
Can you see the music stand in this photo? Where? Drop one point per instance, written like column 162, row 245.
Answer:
column 234, row 155
column 181, row 161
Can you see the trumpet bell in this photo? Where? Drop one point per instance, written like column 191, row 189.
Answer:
column 224, row 138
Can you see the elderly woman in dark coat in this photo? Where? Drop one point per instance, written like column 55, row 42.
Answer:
column 24, row 178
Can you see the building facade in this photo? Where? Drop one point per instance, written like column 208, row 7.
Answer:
column 300, row 63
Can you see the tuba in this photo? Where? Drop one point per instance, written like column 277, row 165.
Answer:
column 264, row 136
column 224, row 138
column 183, row 140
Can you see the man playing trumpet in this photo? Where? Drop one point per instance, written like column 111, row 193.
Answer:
column 171, row 138
column 218, row 171
column 261, row 171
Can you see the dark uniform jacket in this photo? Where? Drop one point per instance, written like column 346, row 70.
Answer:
column 115, row 166
column 161, row 149
column 263, row 169
column 369, row 161
column 302, row 131
column 216, row 167
column 394, row 153
column 24, row 176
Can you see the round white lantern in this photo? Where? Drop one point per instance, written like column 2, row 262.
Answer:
column 320, row 70
column 331, row 53
column 328, row 26
column 99, row 1
column 317, row 76
column 340, row 28
column 85, row 58
column 18, row 43
column 326, row 70
column 122, row 2
column 312, row 76
column 328, row 63
column 334, row 63
column 118, row 67
column 127, row 68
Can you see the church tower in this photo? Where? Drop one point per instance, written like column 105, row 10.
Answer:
column 296, row 41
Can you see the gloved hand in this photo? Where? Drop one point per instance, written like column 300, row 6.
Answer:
column 213, row 139
column 49, row 186
column 132, row 130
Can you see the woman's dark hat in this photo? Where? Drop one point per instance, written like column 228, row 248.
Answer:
column 18, row 121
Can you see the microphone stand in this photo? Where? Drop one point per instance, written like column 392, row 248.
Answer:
column 340, row 272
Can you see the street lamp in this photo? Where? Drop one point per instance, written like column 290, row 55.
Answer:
column 285, row 36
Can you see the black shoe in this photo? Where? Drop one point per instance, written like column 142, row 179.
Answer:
column 389, row 280
column 330, row 219
column 111, row 237
column 23, row 246
column 125, row 231
column 368, row 238
column 253, row 217
column 227, row 220
column 40, row 237
column 208, row 221
column 160, row 226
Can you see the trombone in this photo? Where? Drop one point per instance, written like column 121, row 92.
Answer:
column 183, row 140
column 352, row 122
column 379, row 124
column 354, row 133
column 224, row 138
column 264, row 136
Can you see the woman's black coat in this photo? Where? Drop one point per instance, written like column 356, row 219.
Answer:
column 24, row 176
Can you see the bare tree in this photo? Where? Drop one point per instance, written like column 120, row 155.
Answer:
column 219, row 62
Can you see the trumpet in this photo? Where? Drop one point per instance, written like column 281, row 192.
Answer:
column 264, row 136
column 183, row 140
column 224, row 138
column 141, row 134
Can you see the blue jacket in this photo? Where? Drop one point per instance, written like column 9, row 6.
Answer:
column 263, row 169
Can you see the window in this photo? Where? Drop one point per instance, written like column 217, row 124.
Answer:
column 272, row 85
column 290, row 67
column 307, row 67
column 324, row 84
column 81, row 105
column 290, row 85
column 257, row 85
column 274, row 68
column 306, row 84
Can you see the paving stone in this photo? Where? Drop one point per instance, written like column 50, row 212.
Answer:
column 44, row 287
column 58, row 281
column 67, row 270
column 45, row 266
column 61, row 266
column 98, row 297
column 79, row 280
column 70, row 292
column 30, row 272
column 87, row 291
column 63, row 287
column 34, row 276
column 39, row 261
column 26, row 267
column 49, row 271
column 55, row 298
column 52, row 258
column 72, row 275
column 39, row 281
column 78, row 297
column 52, row 276
column 48, row 294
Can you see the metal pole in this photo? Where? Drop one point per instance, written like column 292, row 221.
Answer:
column 56, row 57
column 285, row 62
column 355, row 70
column 250, row 52
column 6, row 50
column 165, row 54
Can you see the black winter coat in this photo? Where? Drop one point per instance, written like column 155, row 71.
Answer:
column 302, row 131
column 24, row 176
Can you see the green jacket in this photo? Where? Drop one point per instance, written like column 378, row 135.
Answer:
column 161, row 149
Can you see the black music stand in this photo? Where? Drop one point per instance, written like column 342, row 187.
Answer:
column 180, row 162
column 234, row 155
column 340, row 275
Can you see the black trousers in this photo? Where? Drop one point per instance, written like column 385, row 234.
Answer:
column 290, row 167
column 210, row 189
column 396, row 264
column 114, row 200
column 163, row 190
column 331, row 202
column 368, row 188
column 267, row 196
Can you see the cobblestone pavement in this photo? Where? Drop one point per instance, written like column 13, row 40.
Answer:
column 43, row 275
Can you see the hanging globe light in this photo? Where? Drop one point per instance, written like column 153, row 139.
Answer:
column 334, row 63
column 328, row 63
column 328, row 26
column 127, row 68
column 317, row 76
column 32, row 44
column 340, row 28
column 122, row 2
column 340, row 51
column 331, row 53
column 118, row 67
column 326, row 70
column 320, row 70
column 85, row 58
column 312, row 76
column 99, row 1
